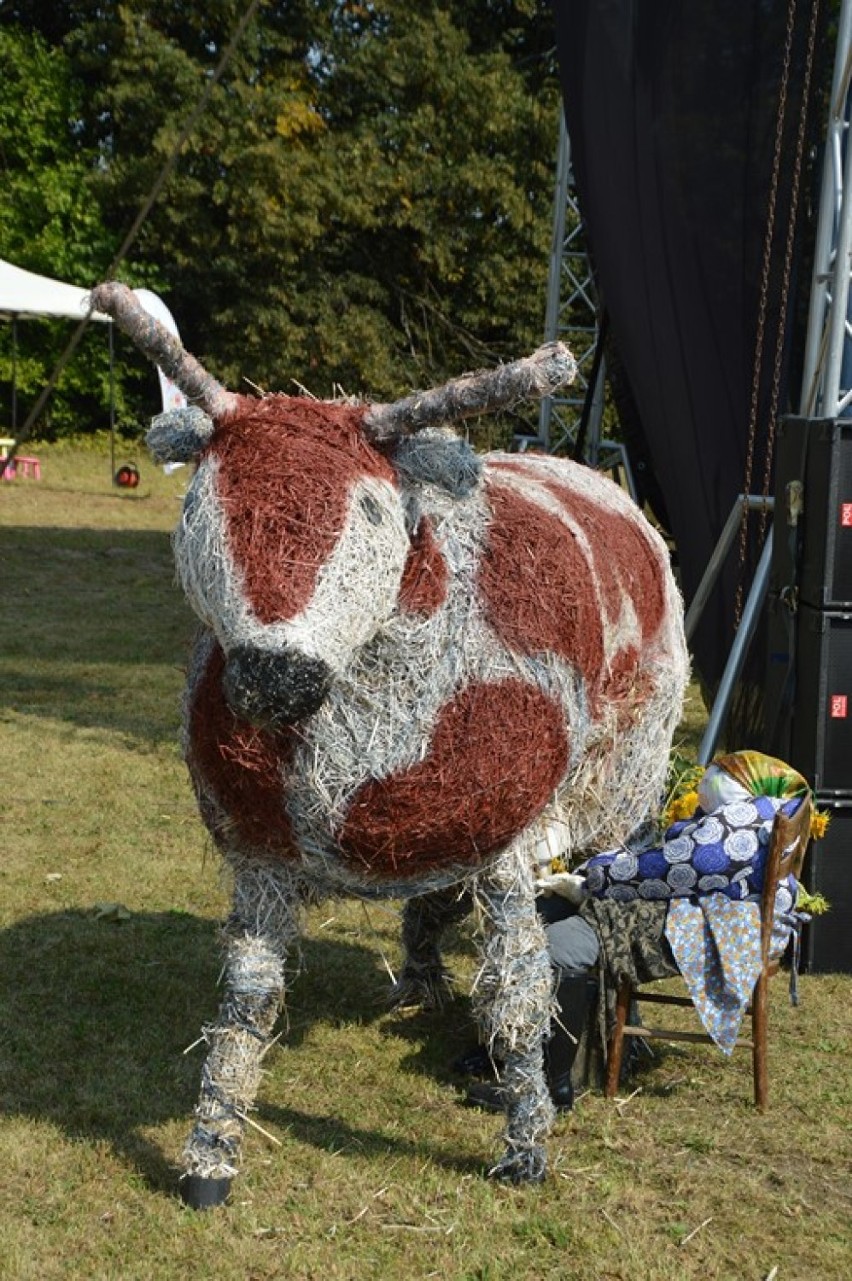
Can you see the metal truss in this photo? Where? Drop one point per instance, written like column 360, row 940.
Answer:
column 827, row 370
column 573, row 314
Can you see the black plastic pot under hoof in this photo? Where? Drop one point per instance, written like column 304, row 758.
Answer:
column 201, row 1193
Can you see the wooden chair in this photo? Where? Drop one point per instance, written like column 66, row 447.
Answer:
column 787, row 847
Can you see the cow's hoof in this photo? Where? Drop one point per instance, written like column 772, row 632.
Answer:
column 423, row 990
column 529, row 1166
column 201, row 1193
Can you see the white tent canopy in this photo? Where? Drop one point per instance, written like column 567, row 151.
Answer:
column 23, row 293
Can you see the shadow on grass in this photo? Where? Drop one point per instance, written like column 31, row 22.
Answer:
column 95, row 1017
column 331, row 1134
column 89, row 607
column 436, row 1039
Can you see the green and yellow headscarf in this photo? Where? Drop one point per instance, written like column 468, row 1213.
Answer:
column 748, row 773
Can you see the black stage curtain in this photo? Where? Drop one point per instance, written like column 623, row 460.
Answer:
column 672, row 108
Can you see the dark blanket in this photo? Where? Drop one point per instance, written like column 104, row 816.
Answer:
column 633, row 946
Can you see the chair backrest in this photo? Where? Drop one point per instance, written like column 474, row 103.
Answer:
column 788, row 845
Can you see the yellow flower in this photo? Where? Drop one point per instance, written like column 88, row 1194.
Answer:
column 681, row 807
column 813, row 904
column 819, row 823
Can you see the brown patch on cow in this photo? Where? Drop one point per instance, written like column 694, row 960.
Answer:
column 497, row 754
column 618, row 680
column 625, row 561
column 536, row 585
column 424, row 580
column 287, row 467
column 240, row 764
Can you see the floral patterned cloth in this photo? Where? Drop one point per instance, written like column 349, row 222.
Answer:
column 724, row 851
column 709, row 870
column 716, row 943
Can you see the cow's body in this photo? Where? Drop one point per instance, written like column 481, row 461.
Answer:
column 416, row 671
column 530, row 670
column 493, row 664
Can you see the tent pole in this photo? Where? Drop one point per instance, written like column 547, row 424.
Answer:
column 15, row 376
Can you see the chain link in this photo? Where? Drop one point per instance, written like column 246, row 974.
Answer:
column 764, row 301
column 788, row 260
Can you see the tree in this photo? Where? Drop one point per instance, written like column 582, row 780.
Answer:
column 366, row 199
column 49, row 224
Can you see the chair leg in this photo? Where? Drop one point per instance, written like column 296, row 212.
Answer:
column 759, row 1004
column 615, row 1049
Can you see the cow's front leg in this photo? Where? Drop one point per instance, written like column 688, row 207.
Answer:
column 423, row 980
column 513, row 999
column 262, row 926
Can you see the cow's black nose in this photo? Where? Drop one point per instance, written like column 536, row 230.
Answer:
column 273, row 690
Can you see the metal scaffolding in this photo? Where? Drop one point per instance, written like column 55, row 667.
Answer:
column 827, row 371
column 573, row 314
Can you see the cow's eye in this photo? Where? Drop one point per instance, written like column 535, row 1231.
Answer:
column 372, row 510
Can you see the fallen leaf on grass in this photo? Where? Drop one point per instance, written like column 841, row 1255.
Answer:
column 111, row 912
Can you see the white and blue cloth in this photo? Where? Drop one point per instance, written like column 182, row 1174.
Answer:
column 710, row 869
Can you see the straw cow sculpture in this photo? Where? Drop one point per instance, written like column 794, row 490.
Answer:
column 417, row 668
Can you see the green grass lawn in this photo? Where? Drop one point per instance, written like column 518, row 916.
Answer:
column 110, row 897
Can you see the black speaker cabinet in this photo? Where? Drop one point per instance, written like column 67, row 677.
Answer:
column 827, row 942
column 813, row 469
column 780, row 682
column 822, row 708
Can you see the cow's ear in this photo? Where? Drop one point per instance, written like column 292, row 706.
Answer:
column 179, row 435
column 434, row 458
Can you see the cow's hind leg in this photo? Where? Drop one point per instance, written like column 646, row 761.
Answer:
column 423, row 980
column 513, row 999
column 262, row 926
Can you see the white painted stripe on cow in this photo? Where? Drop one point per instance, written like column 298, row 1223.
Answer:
column 357, row 587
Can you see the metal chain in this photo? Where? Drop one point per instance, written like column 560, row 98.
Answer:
column 763, row 303
column 772, row 422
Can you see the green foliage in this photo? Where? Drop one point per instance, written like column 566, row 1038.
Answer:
column 365, row 201
column 50, row 225
column 814, row 904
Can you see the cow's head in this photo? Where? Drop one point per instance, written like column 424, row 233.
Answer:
column 293, row 539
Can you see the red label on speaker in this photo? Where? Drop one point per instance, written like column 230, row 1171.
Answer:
column 846, row 514
column 838, row 706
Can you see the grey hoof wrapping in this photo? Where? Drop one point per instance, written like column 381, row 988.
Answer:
column 529, row 1166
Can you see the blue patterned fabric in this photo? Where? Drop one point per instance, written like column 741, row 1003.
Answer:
column 716, row 944
column 722, row 852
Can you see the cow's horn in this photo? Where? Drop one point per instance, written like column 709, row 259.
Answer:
column 485, row 392
column 162, row 348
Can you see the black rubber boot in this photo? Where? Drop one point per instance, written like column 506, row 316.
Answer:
column 201, row 1193
column 573, row 997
